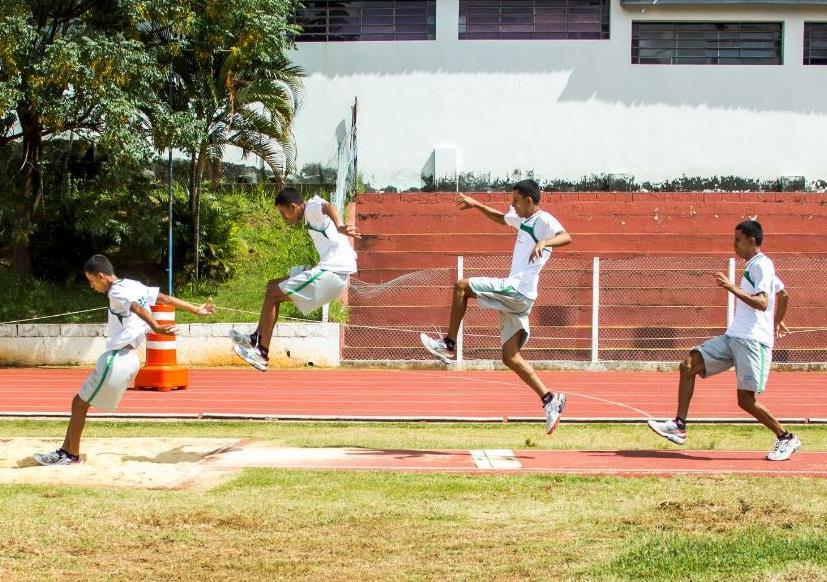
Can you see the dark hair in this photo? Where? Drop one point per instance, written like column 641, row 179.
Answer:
column 529, row 189
column 288, row 196
column 98, row 264
column 751, row 228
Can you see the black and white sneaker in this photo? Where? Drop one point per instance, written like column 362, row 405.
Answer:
column 784, row 449
column 252, row 356
column 669, row 430
column 58, row 457
column 438, row 349
column 554, row 410
column 243, row 339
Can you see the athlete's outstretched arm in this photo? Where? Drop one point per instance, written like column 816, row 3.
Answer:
column 466, row 202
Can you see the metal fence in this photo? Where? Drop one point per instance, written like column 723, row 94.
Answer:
column 601, row 309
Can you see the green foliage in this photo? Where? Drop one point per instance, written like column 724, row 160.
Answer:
column 75, row 66
column 129, row 224
column 233, row 80
column 134, row 77
column 471, row 182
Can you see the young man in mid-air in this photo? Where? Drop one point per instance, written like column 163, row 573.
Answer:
column 307, row 288
column 538, row 232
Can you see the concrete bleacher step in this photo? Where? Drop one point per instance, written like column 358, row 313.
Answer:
column 640, row 243
column 596, row 220
column 399, row 315
column 414, row 260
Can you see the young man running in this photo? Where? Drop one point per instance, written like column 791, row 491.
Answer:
column 538, row 232
column 747, row 344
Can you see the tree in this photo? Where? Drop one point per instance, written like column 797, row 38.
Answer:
column 70, row 66
column 241, row 88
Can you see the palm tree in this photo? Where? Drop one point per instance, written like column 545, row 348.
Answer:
column 240, row 89
column 251, row 107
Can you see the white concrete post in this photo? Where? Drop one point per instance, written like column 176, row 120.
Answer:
column 460, row 269
column 595, row 307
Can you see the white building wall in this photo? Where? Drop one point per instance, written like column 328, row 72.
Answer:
column 567, row 108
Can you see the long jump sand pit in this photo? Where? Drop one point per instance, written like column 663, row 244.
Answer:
column 151, row 463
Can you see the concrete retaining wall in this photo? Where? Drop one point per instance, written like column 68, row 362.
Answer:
column 199, row 344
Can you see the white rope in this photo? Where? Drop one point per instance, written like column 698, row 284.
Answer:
column 51, row 316
column 602, row 339
column 408, row 330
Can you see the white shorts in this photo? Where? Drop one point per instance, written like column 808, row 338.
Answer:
column 113, row 374
column 313, row 288
column 512, row 305
column 751, row 359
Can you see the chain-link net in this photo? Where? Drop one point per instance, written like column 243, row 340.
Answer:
column 560, row 319
column 649, row 309
column 387, row 317
column 657, row 308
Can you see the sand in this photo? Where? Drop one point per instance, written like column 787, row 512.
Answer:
column 151, row 463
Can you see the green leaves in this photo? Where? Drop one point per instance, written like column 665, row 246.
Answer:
column 136, row 77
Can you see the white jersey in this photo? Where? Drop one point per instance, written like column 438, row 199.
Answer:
column 335, row 252
column 525, row 274
column 125, row 327
column 754, row 324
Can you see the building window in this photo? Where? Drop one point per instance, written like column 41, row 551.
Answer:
column 533, row 19
column 706, row 43
column 349, row 20
column 815, row 43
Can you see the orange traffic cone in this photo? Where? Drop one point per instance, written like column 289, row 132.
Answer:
column 161, row 371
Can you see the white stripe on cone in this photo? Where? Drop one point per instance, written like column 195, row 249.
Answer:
column 160, row 345
column 164, row 315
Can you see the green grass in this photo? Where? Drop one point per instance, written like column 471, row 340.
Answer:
column 272, row 524
column 268, row 250
column 431, row 435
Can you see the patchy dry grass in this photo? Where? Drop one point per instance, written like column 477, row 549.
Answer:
column 269, row 524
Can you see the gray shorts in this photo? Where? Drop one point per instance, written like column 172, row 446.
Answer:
column 313, row 288
column 113, row 374
column 751, row 359
column 512, row 305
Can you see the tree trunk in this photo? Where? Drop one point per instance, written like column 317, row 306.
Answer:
column 195, row 208
column 192, row 183
column 30, row 193
column 21, row 259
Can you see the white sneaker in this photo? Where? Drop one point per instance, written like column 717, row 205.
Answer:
column 784, row 449
column 438, row 348
column 252, row 356
column 240, row 339
column 669, row 430
column 554, row 410
column 58, row 457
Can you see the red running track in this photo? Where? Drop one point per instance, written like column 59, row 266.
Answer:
column 625, row 463
column 419, row 394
